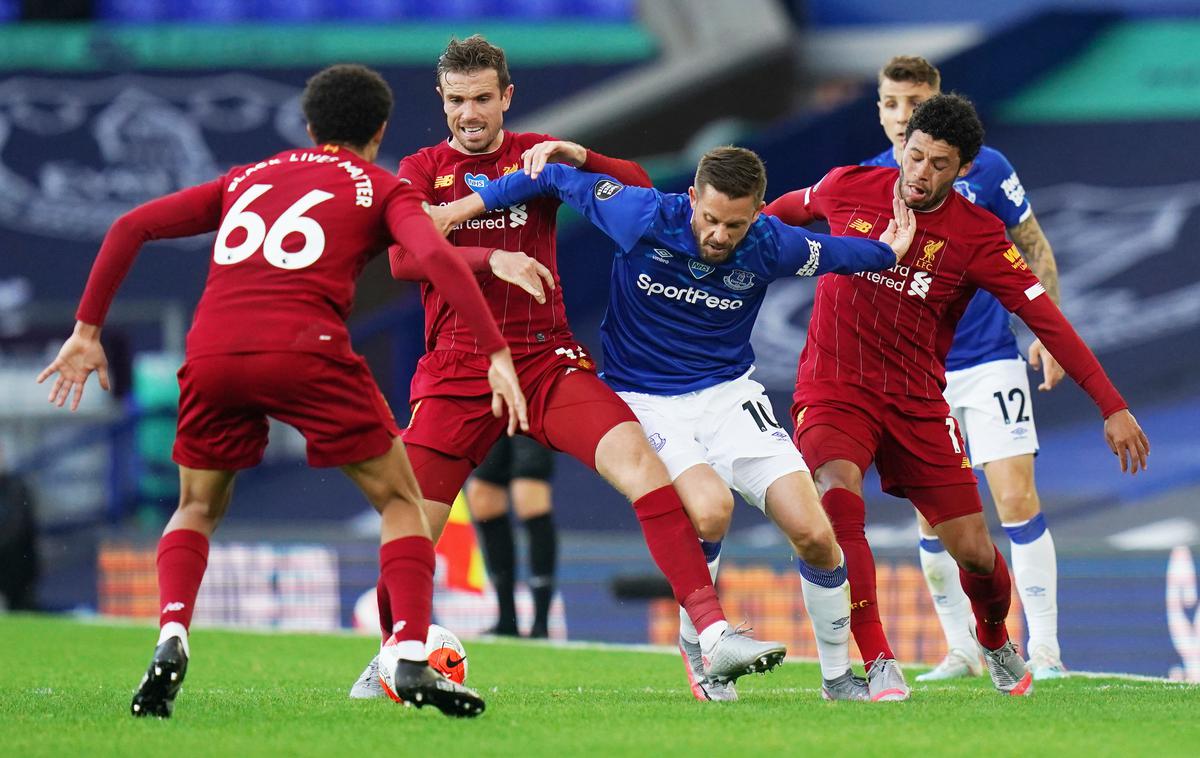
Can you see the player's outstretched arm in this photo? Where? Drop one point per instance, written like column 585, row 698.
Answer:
column 577, row 156
column 78, row 357
column 805, row 253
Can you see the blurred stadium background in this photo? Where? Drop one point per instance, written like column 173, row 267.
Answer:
column 105, row 104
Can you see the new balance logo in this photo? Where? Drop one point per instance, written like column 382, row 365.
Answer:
column 920, row 284
column 171, row 607
column 861, row 225
column 445, row 180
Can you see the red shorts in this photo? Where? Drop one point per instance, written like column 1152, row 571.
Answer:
column 570, row 408
column 913, row 442
column 224, row 402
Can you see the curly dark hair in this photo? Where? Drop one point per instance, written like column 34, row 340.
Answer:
column 733, row 171
column 346, row 104
column 952, row 119
column 473, row 54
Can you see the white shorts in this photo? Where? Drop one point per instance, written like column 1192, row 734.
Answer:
column 730, row 426
column 994, row 408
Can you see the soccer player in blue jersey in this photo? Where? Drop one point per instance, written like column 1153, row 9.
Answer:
column 987, row 388
column 689, row 277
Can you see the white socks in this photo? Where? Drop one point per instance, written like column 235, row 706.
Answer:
column 951, row 603
column 1035, row 569
column 174, row 629
column 827, row 600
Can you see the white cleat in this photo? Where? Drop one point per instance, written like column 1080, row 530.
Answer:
column 368, row 685
column 1046, row 665
column 737, row 654
column 1008, row 671
column 703, row 688
column 885, row 681
column 956, row 665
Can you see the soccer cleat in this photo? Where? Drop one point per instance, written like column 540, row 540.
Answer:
column 1046, row 665
column 956, row 665
column 155, row 695
column 368, row 685
column 415, row 683
column 737, row 654
column 703, row 688
column 502, row 630
column 845, row 687
column 885, row 681
column 1009, row 674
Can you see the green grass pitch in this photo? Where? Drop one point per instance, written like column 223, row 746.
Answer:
column 65, row 688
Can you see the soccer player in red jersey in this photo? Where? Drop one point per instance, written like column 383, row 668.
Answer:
column 269, row 339
column 871, row 375
column 570, row 408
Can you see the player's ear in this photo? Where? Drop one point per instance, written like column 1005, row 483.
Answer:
column 965, row 169
column 506, row 96
column 692, row 197
column 377, row 139
column 758, row 211
column 311, row 136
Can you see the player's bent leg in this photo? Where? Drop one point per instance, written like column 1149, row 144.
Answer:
column 986, row 583
column 952, row 606
column 1035, row 562
column 791, row 502
column 182, row 559
column 407, row 563
column 709, row 504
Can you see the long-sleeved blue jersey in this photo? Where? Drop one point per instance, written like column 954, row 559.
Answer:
column 676, row 324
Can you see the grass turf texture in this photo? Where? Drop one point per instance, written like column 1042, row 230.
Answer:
column 65, row 688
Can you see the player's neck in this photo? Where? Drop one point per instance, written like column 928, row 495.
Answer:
column 334, row 147
column 496, row 145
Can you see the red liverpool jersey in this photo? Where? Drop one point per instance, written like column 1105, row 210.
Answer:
column 891, row 330
column 293, row 233
column 442, row 175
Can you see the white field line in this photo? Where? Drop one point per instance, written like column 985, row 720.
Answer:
column 623, row 647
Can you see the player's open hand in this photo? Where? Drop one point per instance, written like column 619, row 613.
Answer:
column 1040, row 359
column 1127, row 441
column 79, row 356
column 506, row 391
column 901, row 229
column 552, row 151
column 523, row 271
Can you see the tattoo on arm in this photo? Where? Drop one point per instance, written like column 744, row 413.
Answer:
column 1032, row 243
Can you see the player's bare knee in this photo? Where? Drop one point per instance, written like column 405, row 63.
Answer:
column 202, row 507
column 815, row 544
column 837, row 475
column 1017, row 504
column 712, row 522
column 977, row 557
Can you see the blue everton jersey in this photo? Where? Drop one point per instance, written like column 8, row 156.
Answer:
column 985, row 331
column 676, row 324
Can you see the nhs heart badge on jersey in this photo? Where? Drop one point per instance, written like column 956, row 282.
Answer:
column 475, row 181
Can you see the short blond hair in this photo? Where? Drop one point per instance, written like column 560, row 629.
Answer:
column 911, row 68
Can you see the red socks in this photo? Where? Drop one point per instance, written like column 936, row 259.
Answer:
column 848, row 514
column 182, row 558
column 991, row 596
column 406, row 570
column 674, row 547
column 384, row 602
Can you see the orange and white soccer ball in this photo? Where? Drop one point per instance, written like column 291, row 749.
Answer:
column 446, row 653
column 444, row 649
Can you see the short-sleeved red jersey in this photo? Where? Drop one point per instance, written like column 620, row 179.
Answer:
column 891, row 330
column 293, row 233
column 442, row 175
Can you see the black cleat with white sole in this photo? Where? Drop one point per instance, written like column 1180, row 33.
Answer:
column 155, row 696
column 418, row 684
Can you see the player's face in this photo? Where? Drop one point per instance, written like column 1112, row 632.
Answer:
column 928, row 168
column 720, row 222
column 896, row 103
column 474, row 106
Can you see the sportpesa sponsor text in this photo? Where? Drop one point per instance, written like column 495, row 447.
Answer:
column 691, row 295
